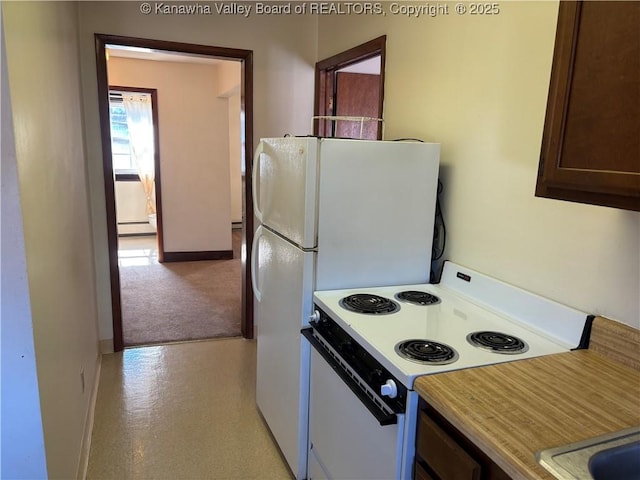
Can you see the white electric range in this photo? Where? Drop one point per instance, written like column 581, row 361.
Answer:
column 372, row 343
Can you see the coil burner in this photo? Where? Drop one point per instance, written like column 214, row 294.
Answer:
column 369, row 304
column 497, row 342
column 427, row 352
column 417, row 297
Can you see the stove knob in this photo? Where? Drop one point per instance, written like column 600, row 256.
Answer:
column 315, row 316
column 389, row 389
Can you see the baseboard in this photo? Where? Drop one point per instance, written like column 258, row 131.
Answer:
column 106, row 346
column 85, row 448
column 197, row 256
column 142, row 234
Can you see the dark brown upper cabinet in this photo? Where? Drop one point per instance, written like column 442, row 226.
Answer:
column 591, row 139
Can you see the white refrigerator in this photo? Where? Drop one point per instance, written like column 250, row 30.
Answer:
column 332, row 213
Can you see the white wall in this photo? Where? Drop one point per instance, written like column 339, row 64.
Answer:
column 284, row 54
column 130, row 198
column 22, row 453
column 235, row 159
column 131, row 202
column 44, row 85
column 229, row 77
column 478, row 85
column 194, row 150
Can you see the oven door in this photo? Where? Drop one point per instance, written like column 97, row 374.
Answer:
column 346, row 440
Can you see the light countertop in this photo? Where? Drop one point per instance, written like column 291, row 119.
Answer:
column 512, row 410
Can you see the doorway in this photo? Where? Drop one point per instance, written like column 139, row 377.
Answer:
column 349, row 92
column 244, row 57
column 135, row 147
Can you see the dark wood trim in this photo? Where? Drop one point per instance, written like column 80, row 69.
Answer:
column 354, row 55
column 129, row 88
column 198, row 256
column 591, row 198
column 246, row 98
column 325, row 79
column 177, row 47
column 246, row 58
column 109, row 193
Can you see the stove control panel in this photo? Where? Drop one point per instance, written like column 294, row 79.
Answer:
column 379, row 381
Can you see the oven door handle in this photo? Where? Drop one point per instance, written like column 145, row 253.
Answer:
column 381, row 416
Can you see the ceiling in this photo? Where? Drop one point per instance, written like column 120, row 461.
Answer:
column 162, row 56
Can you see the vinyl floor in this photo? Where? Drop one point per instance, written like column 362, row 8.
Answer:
column 182, row 411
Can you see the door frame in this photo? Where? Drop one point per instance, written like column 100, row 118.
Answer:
column 246, row 99
column 326, row 69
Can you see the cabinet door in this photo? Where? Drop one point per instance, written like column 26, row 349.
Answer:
column 591, row 146
column 443, row 454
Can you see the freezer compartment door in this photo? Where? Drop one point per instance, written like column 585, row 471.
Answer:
column 376, row 212
column 285, row 187
column 285, row 281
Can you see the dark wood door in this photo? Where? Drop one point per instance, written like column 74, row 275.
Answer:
column 327, row 72
column 357, row 95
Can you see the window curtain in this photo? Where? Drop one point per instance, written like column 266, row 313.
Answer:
column 140, row 125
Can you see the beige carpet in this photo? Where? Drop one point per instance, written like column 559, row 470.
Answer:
column 182, row 300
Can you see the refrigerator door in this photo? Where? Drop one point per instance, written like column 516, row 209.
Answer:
column 285, row 187
column 285, row 279
column 376, row 212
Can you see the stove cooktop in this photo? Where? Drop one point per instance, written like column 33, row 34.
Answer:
column 454, row 319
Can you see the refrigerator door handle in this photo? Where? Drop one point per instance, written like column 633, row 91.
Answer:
column 254, row 265
column 255, row 179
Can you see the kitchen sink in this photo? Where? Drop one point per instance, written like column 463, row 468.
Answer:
column 621, row 462
column 612, row 456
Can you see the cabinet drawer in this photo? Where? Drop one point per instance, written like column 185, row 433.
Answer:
column 420, row 473
column 443, row 454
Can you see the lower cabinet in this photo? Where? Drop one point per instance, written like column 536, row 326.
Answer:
column 443, row 453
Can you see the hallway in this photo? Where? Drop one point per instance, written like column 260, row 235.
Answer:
column 182, row 411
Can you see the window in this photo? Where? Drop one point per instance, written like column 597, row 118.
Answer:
column 122, row 160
